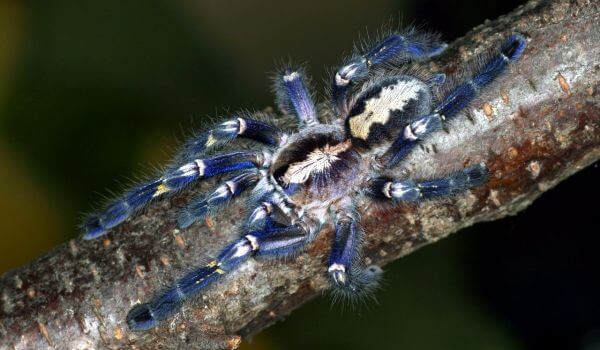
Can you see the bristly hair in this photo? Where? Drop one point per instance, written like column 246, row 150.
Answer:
column 282, row 98
column 369, row 281
column 382, row 109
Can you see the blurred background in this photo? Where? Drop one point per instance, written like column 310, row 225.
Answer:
column 93, row 92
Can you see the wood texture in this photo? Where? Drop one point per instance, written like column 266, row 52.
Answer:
column 537, row 126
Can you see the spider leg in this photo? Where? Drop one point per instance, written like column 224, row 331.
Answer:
column 347, row 274
column 463, row 94
column 223, row 194
column 275, row 241
column 458, row 99
column 412, row 134
column 172, row 181
column 294, row 98
column 437, row 79
column 412, row 191
column 260, row 214
column 273, row 204
column 229, row 130
column 408, row 46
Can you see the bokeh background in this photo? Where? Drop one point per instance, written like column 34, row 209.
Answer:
column 92, row 92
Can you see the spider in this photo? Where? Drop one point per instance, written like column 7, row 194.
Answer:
column 304, row 180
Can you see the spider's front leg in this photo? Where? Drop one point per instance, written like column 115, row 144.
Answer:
column 208, row 204
column 409, row 46
column 348, row 275
column 454, row 102
column 408, row 190
column 277, row 241
column 173, row 181
column 240, row 127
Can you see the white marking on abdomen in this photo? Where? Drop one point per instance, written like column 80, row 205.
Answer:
column 378, row 109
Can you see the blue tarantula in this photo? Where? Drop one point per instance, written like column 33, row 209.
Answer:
column 304, row 180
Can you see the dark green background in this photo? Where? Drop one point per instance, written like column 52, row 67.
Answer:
column 97, row 91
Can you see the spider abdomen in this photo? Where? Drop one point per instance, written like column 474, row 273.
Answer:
column 384, row 107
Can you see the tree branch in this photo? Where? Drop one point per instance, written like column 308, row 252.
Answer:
column 535, row 128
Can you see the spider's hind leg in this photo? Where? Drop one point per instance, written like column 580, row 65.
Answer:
column 463, row 94
column 409, row 46
column 455, row 101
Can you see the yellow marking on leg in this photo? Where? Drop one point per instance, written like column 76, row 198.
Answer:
column 210, row 141
column 219, row 271
column 212, row 263
column 162, row 188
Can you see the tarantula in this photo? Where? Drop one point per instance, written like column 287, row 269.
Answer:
column 303, row 180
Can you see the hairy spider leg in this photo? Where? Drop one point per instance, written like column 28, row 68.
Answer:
column 294, row 98
column 458, row 99
column 411, row 191
column 272, row 203
column 347, row 274
column 264, row 195
column 172, row 182
column 274, row 242
column 207, row 204
column 438, row 79
column 406, row 46
column 227, row 131
column 261, row 213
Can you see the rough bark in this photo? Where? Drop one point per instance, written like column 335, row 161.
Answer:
column 534, row 128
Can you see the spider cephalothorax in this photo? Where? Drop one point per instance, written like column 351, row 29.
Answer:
column 316, row 175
